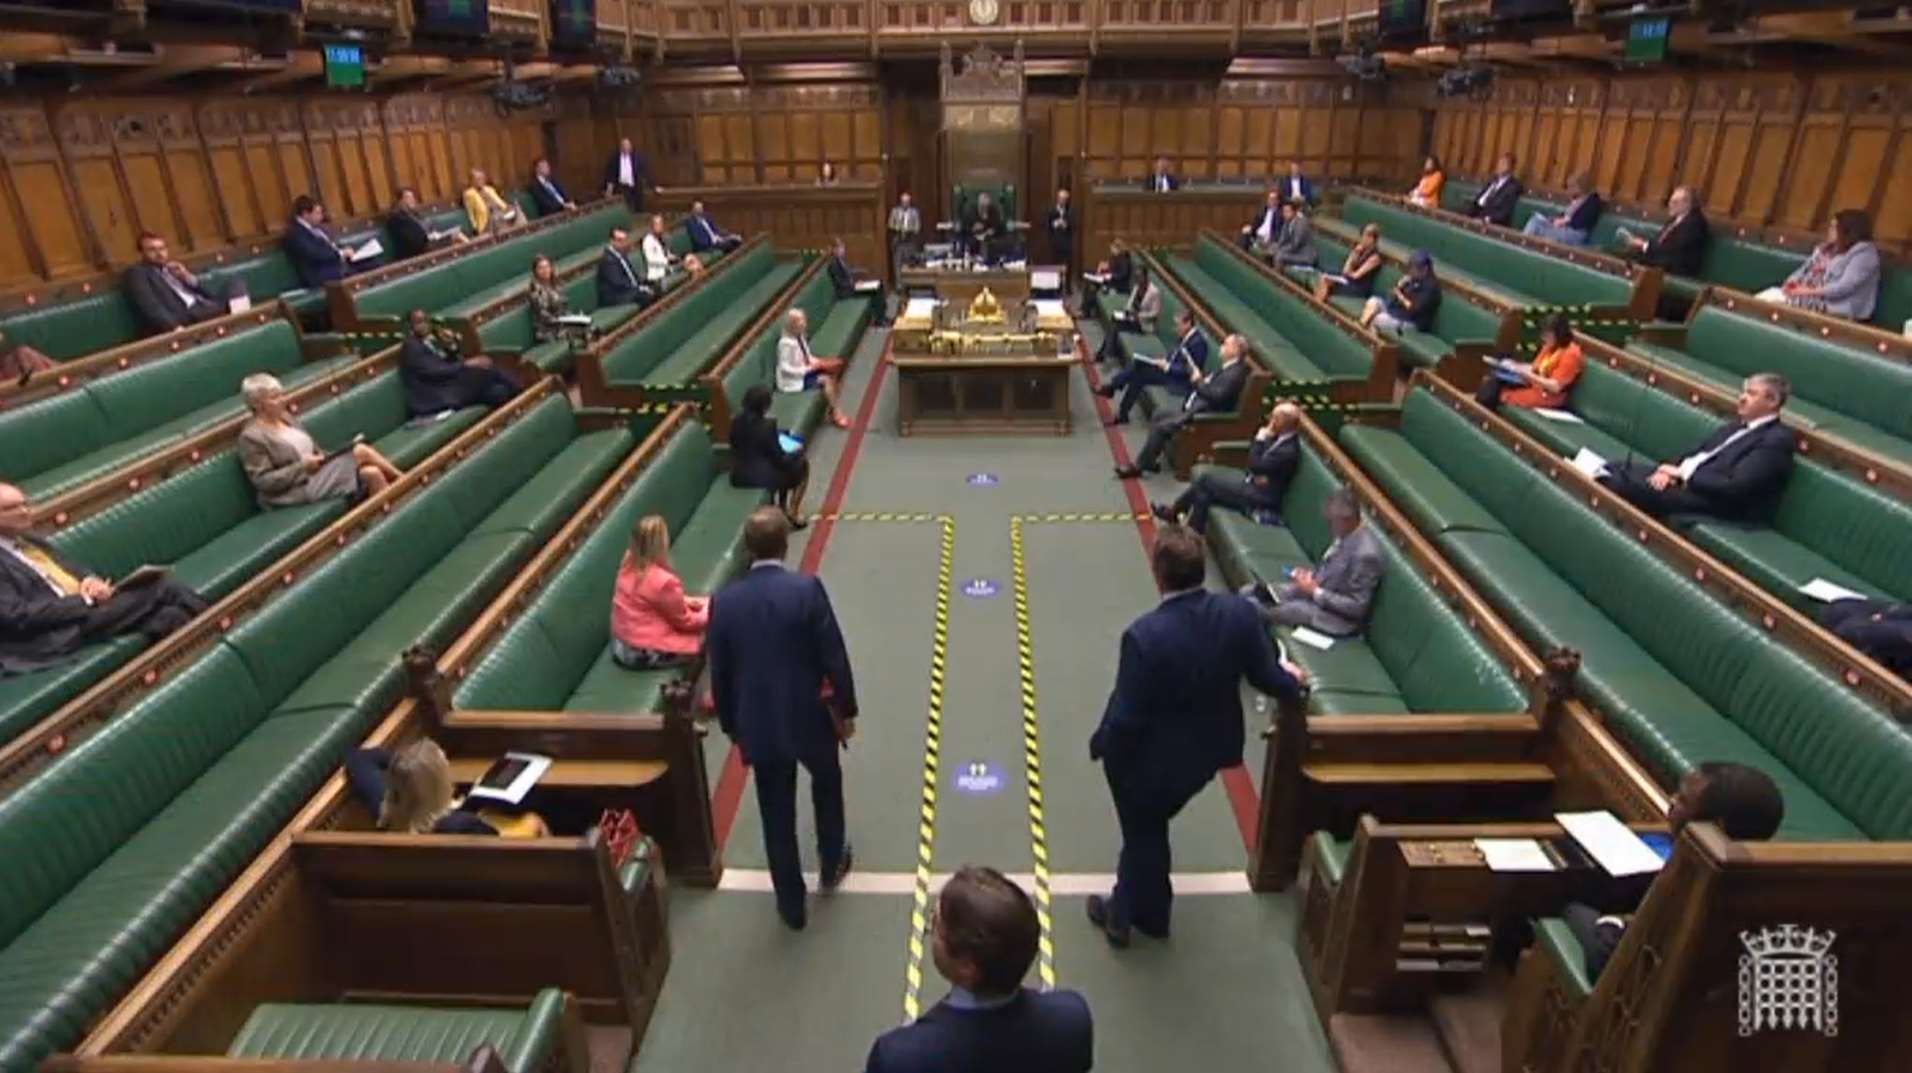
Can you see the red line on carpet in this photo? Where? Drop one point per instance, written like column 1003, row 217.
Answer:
column 730, row 784
column 1241, row 789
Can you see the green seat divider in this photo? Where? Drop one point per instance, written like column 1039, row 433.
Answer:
column 1555, row 940
column 375, row 1032
column 1333, row 853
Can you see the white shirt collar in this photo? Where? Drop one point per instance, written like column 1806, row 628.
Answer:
column 1179, row 593
column 762, row 564
column 1761, row 422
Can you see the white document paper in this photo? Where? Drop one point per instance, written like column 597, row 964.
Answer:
column 510, row 778
column 1051, row 307
column 866, row 285
column 1610, row 842
column 1097, row 278
column 1563, row 416
column 1312, row 639
column 921, row 307
column 239, row 304
column 576, row 320
column 1826, row 592
column 1589, row 463
column 1515, row 855
column 1044, row 279
column 372, row 248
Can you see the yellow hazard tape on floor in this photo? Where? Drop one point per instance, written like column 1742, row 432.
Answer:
column 1032, row 740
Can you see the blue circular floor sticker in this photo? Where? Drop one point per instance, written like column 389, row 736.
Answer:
column 984, row 480
column 978, row 778
column 980, row 588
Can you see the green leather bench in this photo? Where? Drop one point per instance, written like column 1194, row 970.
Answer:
column 1292, row 339
column 1416, row 656
column 686, row 338
column 120, row 842
column 836, row 327
column 487, row 274
column 106, row 319
column 678, row 239
column 207, row 524
column 1829, row 525
column 60, row 442
column 510, row 333
column 1332, row 853
column 1160, row 343
column 1554, row 939
column 1341, row 235
column 525, row 1038
column 1682, row 678
column 1547, row 279
column 1861, row 398
column 1456, row 320
column 557, row 655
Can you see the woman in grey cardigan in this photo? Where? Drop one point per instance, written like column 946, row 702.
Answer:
column 287, row 468
column 1841, row 278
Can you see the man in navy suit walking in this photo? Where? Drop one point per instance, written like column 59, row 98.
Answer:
column 773, row 642
column 1173, row 720
column 985, row 936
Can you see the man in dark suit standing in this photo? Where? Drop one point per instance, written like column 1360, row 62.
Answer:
column 436, row 379
column 1296, row 187
column 847, row 282
column 1218, row 393
column 166, row 295
column 315, row 255
column 50, row 608
column 1161, row 180
column 1680, row 245
column 1273, row 458
column 1060, row 223
column 627, row 175
column 1495, row 202
column 1738, row 473
column 985, row 938
column 773, row 644
column 618, row 283
column 1173, row 720
column 545, row 191
column 1175, row 372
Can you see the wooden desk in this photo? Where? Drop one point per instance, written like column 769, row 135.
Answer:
column 572, row 774
column 982, row 394
column 960, row 285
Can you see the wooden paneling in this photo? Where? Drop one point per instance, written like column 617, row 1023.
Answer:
column 745, row 135
column 1779, row 150
column 84, row 175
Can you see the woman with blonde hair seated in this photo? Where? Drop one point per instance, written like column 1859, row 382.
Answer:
column 287, row 468
column 1356, row 278
column 1427, row 190
column 653, row 624
column 410, row 790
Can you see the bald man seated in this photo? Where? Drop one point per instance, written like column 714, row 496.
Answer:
column 1272, row 460
column 50, row 608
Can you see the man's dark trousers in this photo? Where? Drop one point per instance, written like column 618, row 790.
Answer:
column 776, row 779
column 1227, row 490
column 1146, row 798
column 1139, row 375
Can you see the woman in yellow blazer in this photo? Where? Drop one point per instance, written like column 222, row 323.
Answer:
column 1427, row 192
column 484, row 207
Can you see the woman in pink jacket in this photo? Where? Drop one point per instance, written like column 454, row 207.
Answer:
column 653, row 624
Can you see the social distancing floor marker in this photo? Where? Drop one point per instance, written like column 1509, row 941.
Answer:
column 1032, row 760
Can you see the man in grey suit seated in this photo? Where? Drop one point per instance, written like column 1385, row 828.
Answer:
column 1333, row 598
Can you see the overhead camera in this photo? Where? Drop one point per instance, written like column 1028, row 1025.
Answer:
column 1465, row 81
column 1364, row 64
column 513, row 96
column 618, row 76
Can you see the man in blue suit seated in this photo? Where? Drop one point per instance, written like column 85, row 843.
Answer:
column 985, row 940
column 705, row 235
column 436, row 380
column 618, row 282
column 773, row 643
column 1175, row 372
column 1173, row 720
column 315, row 255
column 545, row 191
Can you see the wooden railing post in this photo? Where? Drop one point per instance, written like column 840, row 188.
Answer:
column 1277, row 852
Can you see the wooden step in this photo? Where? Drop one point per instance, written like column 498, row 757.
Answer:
column 1386, row 1043
column 1467, row 1020
column 1501, row 772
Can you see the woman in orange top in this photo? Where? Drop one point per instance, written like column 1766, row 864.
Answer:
column 1547, row 381
column 1427, row 192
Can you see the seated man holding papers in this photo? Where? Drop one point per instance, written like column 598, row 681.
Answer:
column 1175, row 372
column 1738, row 473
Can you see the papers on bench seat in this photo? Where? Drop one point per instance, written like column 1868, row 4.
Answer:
column 1515, row 855
column 1826, row 592
column 867, row 285
column 1564, row 416
column 372, row 248
column 1312, row 639
column 576, row 320
column 1589, row 463
column 1610, row 842
column 239, row 303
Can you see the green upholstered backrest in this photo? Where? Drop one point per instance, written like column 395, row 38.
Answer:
column 758, row 364
column 714, row 299
column 1653, row 422
column 373, row 408
column 1455, row 319
column 542, row 657
column 460, row 277
column 75, row 329
column 1847, row 750
column 91, row 799
column 375, row 1032
column 164, row 522
column 1850, row 522
column 513, row 328
column 1895, row 298
column 1333, row 350
column 1874, row 389
column 51, row 432
column 1434, row 659
column 150, row 395
column 1536, row 273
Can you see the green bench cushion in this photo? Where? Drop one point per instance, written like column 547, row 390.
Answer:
column 460, row 278
column 714, row 310
column 374, row 1032
column 1333, row 853
column 1546, row 278
column 709, row 341
column 25, row 699
column 1555, row 940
